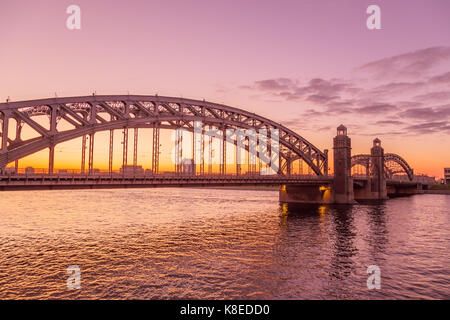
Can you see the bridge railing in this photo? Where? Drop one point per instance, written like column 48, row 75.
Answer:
column 424, row 179
column 41, row 173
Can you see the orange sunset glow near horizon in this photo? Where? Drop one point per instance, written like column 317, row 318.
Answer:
column 310, row 66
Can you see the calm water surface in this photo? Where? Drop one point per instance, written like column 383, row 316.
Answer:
column 219, row 244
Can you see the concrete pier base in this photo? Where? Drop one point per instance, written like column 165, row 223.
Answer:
column 343, row 181
column 345, row 194
column 308, row 194
column 403, row 190
column 372, row 190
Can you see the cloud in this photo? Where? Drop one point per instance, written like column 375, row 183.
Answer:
column 377, row 109
column 395, row 88
column 289, row 96
column 279, row 84
column 326, row 128
column 311, row 113
column 436, row 113
column 340, row 104
column 290, row 89
column 410, row 88
column 408, row 104
column 388, row 122
column 433, row 96
column 323, row 87
column 383, row 133
column 430, row 127
column 409, row 65
column 442, row 78
column 321, row 99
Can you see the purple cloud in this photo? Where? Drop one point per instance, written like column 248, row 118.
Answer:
column 274, row 84
column 434, row 96
column 437, row 113
column 442, row 78
column 321, row 99
column 430, row 127
column 377, row 108
column 385, row 93
column 411, row 64
column 388, row 122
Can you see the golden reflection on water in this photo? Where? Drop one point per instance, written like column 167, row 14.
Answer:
column 322, row 210
column 284, row 208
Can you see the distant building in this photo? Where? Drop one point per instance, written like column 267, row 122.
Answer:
column 10, row 170
column 447, row 175
column 167, row 173
column 130, row 169
column 29, row 170
column 422, row 178
column 188, row 166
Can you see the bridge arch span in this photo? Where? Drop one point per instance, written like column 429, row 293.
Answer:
column 393, row 164
column 91, row 114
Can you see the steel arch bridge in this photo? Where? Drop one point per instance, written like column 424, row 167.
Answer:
column 90, row 114
column 393, row 164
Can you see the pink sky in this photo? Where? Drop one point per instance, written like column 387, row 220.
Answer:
column 310, row 65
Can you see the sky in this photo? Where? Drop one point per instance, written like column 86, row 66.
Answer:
column 310, row 65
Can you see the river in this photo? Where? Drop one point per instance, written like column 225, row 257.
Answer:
column 169, row 243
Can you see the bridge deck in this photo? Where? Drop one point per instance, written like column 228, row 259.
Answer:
column 115, row 180
column 75, row 181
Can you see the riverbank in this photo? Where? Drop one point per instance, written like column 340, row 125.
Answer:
column 437, row 191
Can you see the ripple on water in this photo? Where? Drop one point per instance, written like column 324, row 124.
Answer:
column 216, row 244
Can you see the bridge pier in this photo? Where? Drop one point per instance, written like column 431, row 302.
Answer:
column 403, row 190
column 340, row 191
column 343, row 190
column 318, row 194
column 343, row 181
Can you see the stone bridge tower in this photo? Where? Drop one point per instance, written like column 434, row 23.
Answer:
column 343, row 181
column 377, row 177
